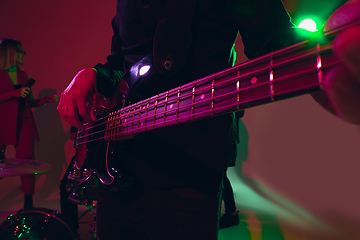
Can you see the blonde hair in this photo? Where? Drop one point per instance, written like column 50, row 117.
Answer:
column 8, row 52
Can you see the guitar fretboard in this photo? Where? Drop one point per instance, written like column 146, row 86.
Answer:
column 286, row 73
column 268, row 79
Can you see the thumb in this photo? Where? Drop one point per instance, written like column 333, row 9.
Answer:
column 345, row 14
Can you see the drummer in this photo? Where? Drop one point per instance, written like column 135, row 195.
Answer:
column 17, row 124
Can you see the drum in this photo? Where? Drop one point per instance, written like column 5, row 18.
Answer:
column 36, row 224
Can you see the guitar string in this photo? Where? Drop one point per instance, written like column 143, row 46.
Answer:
column 152, row 126
column 135, row 124
column 206, row 79
column 152, row 118
column 186, row 95
column 128, row 114
column 229, row 71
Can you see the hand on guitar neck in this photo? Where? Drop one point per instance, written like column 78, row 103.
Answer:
column 341, row 94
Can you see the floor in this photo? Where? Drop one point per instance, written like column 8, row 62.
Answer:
column 55, row 222
column 247, row 229
column 252, row 226
column 263, row 215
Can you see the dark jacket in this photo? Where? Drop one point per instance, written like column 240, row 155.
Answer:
column 194, row 154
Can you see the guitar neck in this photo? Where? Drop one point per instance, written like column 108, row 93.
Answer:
column 291, row 72
column 286, row 73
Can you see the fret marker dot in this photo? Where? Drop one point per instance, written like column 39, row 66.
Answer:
column 125, row 120
column 202, row 96
column 254, row 80
column 171, row 106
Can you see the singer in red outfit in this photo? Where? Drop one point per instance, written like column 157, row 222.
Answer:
column 17, row 125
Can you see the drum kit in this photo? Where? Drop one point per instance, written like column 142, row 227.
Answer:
column 43, row 223
column 10, row 167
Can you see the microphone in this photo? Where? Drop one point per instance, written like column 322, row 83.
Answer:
column 30, row 82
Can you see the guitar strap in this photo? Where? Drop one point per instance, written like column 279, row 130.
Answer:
column 173, row 36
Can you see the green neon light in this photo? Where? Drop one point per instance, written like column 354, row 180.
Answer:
column 308, row 24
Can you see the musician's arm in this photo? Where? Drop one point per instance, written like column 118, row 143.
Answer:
column 107, row 79
column 110, row 73
column 267, row 27
column 76, row 102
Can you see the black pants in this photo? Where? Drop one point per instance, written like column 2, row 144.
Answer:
column 228, row 196
column 164, row 214
column 69, row 210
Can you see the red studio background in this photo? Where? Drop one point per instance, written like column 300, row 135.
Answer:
column 293, row 149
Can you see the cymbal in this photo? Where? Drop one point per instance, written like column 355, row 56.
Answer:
column 10, row 167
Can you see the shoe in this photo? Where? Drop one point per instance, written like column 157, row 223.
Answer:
column 228, row 220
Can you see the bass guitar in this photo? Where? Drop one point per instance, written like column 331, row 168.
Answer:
column 279, row 75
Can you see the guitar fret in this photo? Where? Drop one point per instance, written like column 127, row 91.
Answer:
column 120, row 121
column 139, row 120
column 319, row 65
column 212, row 96
column 123, row 120
column 111, row 125
column 156, row 102
column 238, row 90
column 128, row 121
column 116, row 123
column 147, row 113
column 193, row 102
column 165, row 106
column 178, row 105
column 271, row 77
column 133, row 120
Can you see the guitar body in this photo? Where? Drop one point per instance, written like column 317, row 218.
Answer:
column 94, row 160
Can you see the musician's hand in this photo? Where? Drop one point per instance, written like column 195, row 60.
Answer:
column 342, row 85
column 52, row 98
column 22, row 92
column 77, row 99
